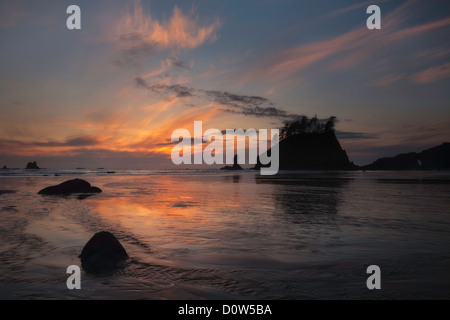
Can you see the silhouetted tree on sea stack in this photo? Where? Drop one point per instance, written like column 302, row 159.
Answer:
column 307, row 126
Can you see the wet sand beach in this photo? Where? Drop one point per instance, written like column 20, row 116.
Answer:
column 225, row 235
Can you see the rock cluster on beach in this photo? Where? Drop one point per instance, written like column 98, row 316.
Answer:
column 102, row 253
column 69, row 187
column 235, row 165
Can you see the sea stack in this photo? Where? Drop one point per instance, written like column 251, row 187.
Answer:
column 235, row 165
column 102, row 253
column 32, row 165
column 311, row 151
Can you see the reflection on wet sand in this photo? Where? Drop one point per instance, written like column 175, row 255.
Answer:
column 306, row 194
column 236, row 178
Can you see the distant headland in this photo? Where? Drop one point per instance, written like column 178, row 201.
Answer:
column 437, row 158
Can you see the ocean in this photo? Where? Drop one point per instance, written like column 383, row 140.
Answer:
column 194, row 234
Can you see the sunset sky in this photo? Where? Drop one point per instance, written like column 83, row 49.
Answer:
column 112, row 93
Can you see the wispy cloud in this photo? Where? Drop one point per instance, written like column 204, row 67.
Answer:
column 236, row 100
column 171, row 61
column 82, row 141
column 179, row 90
column 263, row 112
column 388, row 80
column 432, row 74
column 139, row 35
column 343, row 51
column 351, row 8
column 346, row 135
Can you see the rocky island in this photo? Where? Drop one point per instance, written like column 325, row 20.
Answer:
column 32, row 165
column 311, row 144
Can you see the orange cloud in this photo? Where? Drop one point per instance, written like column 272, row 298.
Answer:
column 120, row 132
column 157, row 139
column 180, row 31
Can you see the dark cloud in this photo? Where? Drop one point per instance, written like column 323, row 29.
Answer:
column 133, row 50
column 169, row 142
column 353, row 135
column 246, row 105
column 236, row 100
column 255, row 106
column 178, row 63
column 141, row 83
column 425, row 135
column 263, row 112
column 237, row 131
column 82, row 141
column 179, row 90
column 93, row 158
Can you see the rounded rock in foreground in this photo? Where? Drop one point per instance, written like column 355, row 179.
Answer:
column 69, row 187
column 102, row 253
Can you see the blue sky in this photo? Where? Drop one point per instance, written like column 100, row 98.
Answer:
column 137, row 70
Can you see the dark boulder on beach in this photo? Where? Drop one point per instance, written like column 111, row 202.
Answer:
column 69, row 187
column 235, row 166
column 32, row 165
column 4, row 168
column 102, row 253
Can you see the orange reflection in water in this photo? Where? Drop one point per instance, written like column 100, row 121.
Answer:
column 172, row 211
